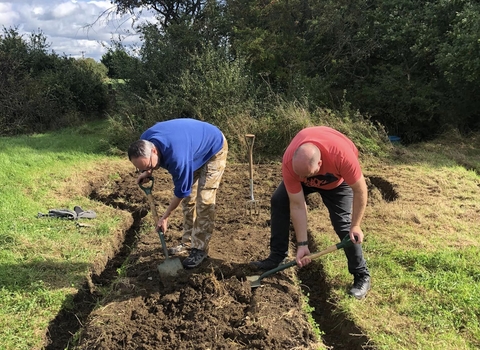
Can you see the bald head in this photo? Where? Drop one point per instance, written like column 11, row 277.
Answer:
column 306, row 160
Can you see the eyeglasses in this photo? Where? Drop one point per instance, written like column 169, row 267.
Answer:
column 150, row 166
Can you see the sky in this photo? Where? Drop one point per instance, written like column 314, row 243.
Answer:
column 76, row 28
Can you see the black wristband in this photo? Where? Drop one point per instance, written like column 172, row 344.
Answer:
column 302, row 243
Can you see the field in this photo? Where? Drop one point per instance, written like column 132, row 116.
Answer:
column 213, row 307
column 421, row 239
column 209, row 307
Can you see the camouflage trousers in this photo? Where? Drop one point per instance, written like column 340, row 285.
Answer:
column 199, row 207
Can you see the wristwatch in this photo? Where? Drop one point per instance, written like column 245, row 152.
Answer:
column 302, row 243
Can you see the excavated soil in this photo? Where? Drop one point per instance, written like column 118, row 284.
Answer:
column 131, row 306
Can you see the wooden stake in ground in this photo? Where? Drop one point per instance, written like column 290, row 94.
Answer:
column 252, row 205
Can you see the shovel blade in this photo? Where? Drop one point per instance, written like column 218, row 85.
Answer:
column 170, row 267
column 255, row 281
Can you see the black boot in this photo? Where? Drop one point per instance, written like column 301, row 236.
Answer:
column 265, row 265
column 361, row 285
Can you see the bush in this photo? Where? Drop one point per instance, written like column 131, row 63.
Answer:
column 42, row 91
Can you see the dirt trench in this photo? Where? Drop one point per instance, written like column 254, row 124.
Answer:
column 213, row 306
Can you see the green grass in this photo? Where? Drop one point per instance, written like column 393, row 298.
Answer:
column 43, row 261
column 422, row 250
column 419, row 300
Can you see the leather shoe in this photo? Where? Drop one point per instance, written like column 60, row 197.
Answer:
column 361, row 285
column 265, row 265
column 194, row 259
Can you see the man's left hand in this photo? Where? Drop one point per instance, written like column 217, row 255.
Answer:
column 356, row 234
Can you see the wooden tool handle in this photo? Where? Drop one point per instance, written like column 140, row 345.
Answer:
column 153, row 209
column 250, row 139
column 346, row 242
column 323, row 252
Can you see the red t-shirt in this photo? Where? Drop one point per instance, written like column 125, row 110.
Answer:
column 339, row 160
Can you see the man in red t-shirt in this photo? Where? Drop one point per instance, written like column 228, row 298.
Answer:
column 320, row 159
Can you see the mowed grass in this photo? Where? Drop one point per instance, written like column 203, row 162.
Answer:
column 423, row 250
column 44, row 261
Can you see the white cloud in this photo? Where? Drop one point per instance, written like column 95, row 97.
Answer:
column 38, row 11
column 8, row 15
column 74, row 27
column 65, row 9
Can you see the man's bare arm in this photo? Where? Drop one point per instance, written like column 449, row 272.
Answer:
column 298, row 214
column 360, row 196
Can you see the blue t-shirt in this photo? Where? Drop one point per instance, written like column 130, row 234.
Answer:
column 185, row 145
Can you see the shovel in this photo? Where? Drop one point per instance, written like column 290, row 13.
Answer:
column 169, row 267
column 256, row 281
column 251, row 206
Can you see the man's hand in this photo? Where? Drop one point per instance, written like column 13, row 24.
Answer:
column 144, row 177
column 162, row 224
column 303, row 251
column 356, row 234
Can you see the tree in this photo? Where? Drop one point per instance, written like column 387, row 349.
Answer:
column 118, row 62
column 270, row 36
column 169, row 11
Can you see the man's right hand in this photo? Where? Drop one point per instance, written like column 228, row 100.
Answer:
column 162, row 224
column 144, row 177
column 302, row 252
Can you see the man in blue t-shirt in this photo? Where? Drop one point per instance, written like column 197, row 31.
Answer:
column 195, row 154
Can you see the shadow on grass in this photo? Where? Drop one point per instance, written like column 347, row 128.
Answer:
column 33, row 276
column 340, row 333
